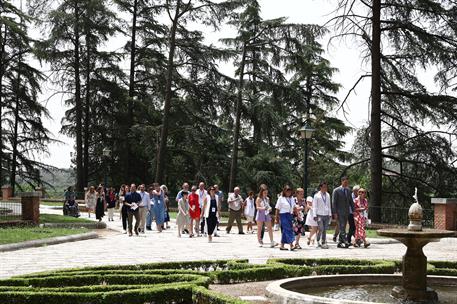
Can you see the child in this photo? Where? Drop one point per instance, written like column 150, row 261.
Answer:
column 249, row 210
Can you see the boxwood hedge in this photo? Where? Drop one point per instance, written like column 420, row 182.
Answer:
column 177, row 282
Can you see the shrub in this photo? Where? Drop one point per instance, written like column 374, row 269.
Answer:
column 205, row 296
column 177, row 282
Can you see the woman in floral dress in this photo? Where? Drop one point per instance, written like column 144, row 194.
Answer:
column 299, row 216
column 361, row 206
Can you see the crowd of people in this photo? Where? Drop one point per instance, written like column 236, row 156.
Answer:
column 199, row 212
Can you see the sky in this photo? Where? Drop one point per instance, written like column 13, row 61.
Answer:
column 343, row 55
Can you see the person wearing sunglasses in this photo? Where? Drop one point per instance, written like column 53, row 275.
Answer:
column 360, row 209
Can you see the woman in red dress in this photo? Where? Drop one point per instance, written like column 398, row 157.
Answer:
column 194, row 212
column 360, row 218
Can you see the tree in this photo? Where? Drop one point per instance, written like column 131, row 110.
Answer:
column 416, row 35
column 74, row 63
column 274, row 103
column 23, row 134
column 62, row 50
column 182, row 44
column 147, row 62
column 99, row 25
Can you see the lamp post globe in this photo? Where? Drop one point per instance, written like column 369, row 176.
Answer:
column 306, row 132
column 106, row 152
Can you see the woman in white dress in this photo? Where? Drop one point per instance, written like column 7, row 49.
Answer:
column 310, row 222
column 249, row 211
column 91, row 200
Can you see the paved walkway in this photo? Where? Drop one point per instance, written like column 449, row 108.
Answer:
column 118, row 248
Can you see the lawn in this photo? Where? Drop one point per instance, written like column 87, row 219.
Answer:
column 21, row 234
column 370, row 233
column 56, row 204
column 57, row 218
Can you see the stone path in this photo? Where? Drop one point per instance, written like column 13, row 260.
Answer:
column 118, row 248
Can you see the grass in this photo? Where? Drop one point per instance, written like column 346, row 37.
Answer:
column 57, row 218
column 370, row 233
column 16, row 234
column 56, row 204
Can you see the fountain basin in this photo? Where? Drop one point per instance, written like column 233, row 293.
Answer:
column 304, row 289
column 414, row 285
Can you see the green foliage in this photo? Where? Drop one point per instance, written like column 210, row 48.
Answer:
column 176, row 282
column 284, row 81
column 22, row 234
column 22, row 132
column 418, row 120
column 443, row 268
column 56, row 218
column 204, row 296
column 340, row 266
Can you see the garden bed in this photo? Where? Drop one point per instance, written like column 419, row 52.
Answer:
column 22, row 234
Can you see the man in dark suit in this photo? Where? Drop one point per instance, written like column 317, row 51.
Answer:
column 133, row 201
column 342, row 208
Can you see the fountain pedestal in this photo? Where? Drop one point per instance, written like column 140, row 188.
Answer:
column 414, row 285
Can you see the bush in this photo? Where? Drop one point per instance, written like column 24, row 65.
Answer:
column 177, row 282
column 445, row 268
column 205, row 296
column 338, row 266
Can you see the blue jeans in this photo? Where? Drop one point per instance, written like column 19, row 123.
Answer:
column 323, row 222
column 150, row 217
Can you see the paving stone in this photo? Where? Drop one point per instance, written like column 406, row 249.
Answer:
column 118, row 248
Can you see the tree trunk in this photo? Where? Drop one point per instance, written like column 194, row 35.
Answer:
column 87, row 105
column 375, row 138
column 14, row 138
column 236, row 135
column 78, row 105
column 131, row 89
column 2, row 72
column 161, row 154
column 256, row 123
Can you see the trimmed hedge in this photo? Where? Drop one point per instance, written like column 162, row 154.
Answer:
column 205, row 296
column 178, row 282
column 339, row 266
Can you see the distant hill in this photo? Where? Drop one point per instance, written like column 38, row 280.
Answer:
column 60, row 179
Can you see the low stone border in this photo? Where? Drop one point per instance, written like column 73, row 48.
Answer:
column 88, row 225
column 50, row 241
column 278, row 291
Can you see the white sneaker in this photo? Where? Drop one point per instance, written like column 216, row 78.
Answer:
column 124, row 231
column 324, row 246
column 273, row 244
column 318, row 245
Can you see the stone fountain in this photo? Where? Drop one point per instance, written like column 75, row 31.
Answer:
column 414, row 269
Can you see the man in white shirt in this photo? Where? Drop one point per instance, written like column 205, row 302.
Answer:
column 322, row 211
column 235, row 204
column 220, row 195
column 202, row 194
column 144, row 208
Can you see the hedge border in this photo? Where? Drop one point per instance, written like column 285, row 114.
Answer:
column 179, row 282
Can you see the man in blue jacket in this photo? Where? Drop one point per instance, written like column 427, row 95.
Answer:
column 342, row 208
column 133, row 200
